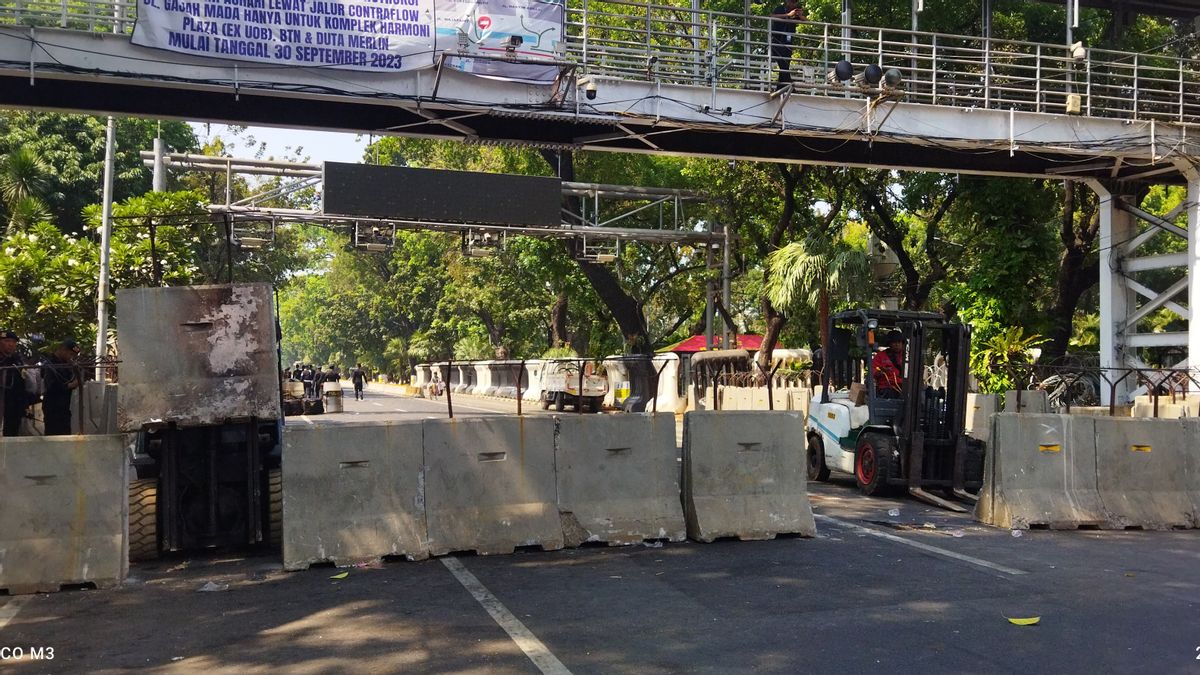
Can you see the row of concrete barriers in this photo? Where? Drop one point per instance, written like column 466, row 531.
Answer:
column 358, row 492
column 1071, row 471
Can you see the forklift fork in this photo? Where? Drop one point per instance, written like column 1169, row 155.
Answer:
column 960, row 480
column 916, row 463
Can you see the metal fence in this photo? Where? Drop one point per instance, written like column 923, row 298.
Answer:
column 678, row 45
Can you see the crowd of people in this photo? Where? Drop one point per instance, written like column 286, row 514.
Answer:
column 314, row 378
column 48, row 378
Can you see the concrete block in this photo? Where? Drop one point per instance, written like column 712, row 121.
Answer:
column 1101, row 410
column 801, row 401
column 744, row 475
column 1142, row 472
column 64, row 512
column 980, row 408
column 352, row 493
column 1192, row 463
column 1041, row 471
column 1032, row 401
column 618, row 478
column 1143, row 406
column 489, row 484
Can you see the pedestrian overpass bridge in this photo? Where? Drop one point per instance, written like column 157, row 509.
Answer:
column 638, row 77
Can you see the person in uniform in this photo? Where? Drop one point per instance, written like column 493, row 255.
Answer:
column 12, row 384
column 60, row 377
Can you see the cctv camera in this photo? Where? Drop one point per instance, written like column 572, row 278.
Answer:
column 590, row 90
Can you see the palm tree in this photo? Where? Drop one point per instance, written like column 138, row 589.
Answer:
column 24, row 181
column 26, row 212
column 813, row 271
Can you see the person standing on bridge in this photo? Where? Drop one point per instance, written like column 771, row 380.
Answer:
column 359, row 377
column 784, row 20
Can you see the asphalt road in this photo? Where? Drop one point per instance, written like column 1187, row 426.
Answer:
column 922, row 591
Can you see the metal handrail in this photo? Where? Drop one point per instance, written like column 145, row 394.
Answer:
column 668, row 44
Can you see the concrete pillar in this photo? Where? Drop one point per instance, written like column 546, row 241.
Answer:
column 1116, row 228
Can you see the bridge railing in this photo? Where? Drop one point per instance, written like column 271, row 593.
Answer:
column 668, row 44
column 97, row 16
column 677, row 45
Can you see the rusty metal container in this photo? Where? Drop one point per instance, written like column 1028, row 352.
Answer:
column 197, row 355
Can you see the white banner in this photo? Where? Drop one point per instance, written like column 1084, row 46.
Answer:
column 375, row 35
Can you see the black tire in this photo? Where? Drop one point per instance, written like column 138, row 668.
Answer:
column 275, row 503
column 817, row 471
column 545, row 402
column 873, row 463
column 560, row 401
column 143, row 519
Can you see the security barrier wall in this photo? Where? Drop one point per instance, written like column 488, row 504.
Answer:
column 744, row 475
column 359, row 492
column 1068, row 471
column 64, row 512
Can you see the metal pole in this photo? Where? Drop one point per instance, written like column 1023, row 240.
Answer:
column 105, row 246
column 726, row 294
column 520, row 376
column 449, row 401
column 160, row 166
column 708, row 298
column 579, row 398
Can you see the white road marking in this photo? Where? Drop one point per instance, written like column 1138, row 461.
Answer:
column 9, row 611
column 536, row 651
column 928, row 548
column 378, row 404
column 305, row 418
column 400, row 410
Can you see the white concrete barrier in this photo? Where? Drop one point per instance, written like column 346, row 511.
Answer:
column 744, row 475
column 618, row 478
column 1145, row 472
column 490, row 484
column 64, row 512
column 353, row 493
column 978, row 423
column 1040, row 471
column 1032, row 401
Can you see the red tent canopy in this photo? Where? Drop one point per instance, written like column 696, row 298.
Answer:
column 696, row 344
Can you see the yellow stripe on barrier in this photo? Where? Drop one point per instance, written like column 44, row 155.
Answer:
column 1140, row 448
column 1049, row 447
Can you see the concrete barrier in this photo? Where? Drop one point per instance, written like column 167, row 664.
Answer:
column 1040, row 471
column 352, row 492
column 1143, row 406
column 64, row 512
column 744, row 475
column 618, row 478
column 1142, row 472
column 980, row 408
column 94, row 411
column 1032, row 401
column 489, row 484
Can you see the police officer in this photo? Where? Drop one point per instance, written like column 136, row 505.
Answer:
column 60, row 376
column 12, row 384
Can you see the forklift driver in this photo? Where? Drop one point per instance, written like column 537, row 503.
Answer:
column 887, row 367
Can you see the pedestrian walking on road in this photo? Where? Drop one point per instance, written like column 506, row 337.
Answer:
column 61, row 376
column 12, row 384
column 359, row 377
